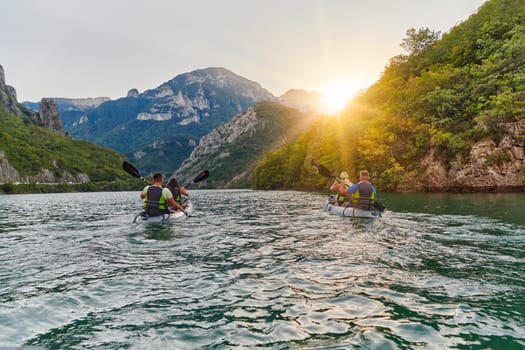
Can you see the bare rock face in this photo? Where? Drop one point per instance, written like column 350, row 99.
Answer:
column 49, row 116
column 490, row 166
column 8, row 96
column 239, row 125
column 133, row 93
column 7, row 172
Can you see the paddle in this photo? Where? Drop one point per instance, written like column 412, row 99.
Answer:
column 323, row 171
column 130, row 169
column 202, row 175
column 327, row 173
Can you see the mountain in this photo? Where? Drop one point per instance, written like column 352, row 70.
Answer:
column 158, row 128
column 71, row 104
column 302, row 100
column 447, row 116
column 34, row 149
column 230, row 151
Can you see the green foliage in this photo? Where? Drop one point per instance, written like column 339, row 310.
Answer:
column 445, row 95
column 417, row 41
column 275, row 125
column 498, row 158
column 110, row 186
column 30, row 149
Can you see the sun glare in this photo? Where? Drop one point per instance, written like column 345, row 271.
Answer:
column 336, row 97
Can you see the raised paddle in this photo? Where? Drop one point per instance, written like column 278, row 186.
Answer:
column 327, row 173
column 130, row 169
column 202, row 175
column 323, row 171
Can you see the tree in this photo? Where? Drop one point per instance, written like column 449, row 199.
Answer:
column 417, row 41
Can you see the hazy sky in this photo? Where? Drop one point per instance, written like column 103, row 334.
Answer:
column 74, row 48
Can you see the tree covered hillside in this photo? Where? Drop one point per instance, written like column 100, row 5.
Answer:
column 41, row 155
column 429, row 113
column 231, row 151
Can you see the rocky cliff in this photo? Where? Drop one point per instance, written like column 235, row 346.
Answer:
column 8, row 96
column 490, row 167
column 230, row 151
column 49, row 117
column 158, row 128
column 33, row 148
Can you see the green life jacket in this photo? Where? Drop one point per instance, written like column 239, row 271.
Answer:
column 154, row 200
column 364, row 197
column 341, row 198
column 177, row 197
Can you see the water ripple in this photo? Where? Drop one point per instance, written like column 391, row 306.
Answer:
column 249, row 270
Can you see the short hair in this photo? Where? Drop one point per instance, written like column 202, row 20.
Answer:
column 364, row 173
column 157, row 177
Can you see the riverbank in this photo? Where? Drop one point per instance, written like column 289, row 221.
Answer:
column 128, row 185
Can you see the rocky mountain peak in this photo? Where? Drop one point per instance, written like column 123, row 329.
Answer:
column 8, row 96
column 2, row 77
column 49, row 116
column 133, row 93
column 305, row 101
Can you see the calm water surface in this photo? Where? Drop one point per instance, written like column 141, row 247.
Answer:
column 262, row 270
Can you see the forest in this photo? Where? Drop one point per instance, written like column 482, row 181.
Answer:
column 444, row 94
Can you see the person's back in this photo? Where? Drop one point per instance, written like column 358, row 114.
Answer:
column 363, row 193
column 341, row 185
column 177, row 191
column 156, row 197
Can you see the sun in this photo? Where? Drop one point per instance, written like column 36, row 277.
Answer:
column 337, row 96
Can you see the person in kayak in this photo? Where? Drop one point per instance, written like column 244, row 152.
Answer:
column 156, row 197
column 177, row 191
column 363, row 193
column 341, row 186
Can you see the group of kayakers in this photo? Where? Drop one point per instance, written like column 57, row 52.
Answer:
column 160, row 200
column 360, row 195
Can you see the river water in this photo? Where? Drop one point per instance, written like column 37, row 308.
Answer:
column 253, row 269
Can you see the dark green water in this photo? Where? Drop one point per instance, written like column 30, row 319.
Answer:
column 262, row 270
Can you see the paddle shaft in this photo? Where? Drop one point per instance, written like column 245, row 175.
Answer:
column 327, row 173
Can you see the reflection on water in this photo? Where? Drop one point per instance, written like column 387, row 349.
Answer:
column 249, row 269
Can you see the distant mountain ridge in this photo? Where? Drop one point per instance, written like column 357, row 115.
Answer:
column 71, row 104
column 158, row 128
column 230, row 151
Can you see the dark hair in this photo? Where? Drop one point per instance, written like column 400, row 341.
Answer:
column 173, row 183
column 157, row 177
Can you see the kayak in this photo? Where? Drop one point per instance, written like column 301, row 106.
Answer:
column 330, row 207
column 143, row 217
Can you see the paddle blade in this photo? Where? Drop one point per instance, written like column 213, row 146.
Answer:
column 322, row 170
column 379, row 206
column 202, row 175
column 130, row 169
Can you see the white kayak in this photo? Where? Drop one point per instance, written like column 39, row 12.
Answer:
column 332, row 208
column 143, row 217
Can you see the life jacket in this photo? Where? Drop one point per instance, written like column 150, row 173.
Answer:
column 364, row 197
column 177, row 197
column 341, row 198
column 154, row 201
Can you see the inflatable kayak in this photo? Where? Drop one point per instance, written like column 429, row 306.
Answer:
column 143, row 217
column 330, row 207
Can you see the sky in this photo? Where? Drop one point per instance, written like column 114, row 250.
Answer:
column 76, row 48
